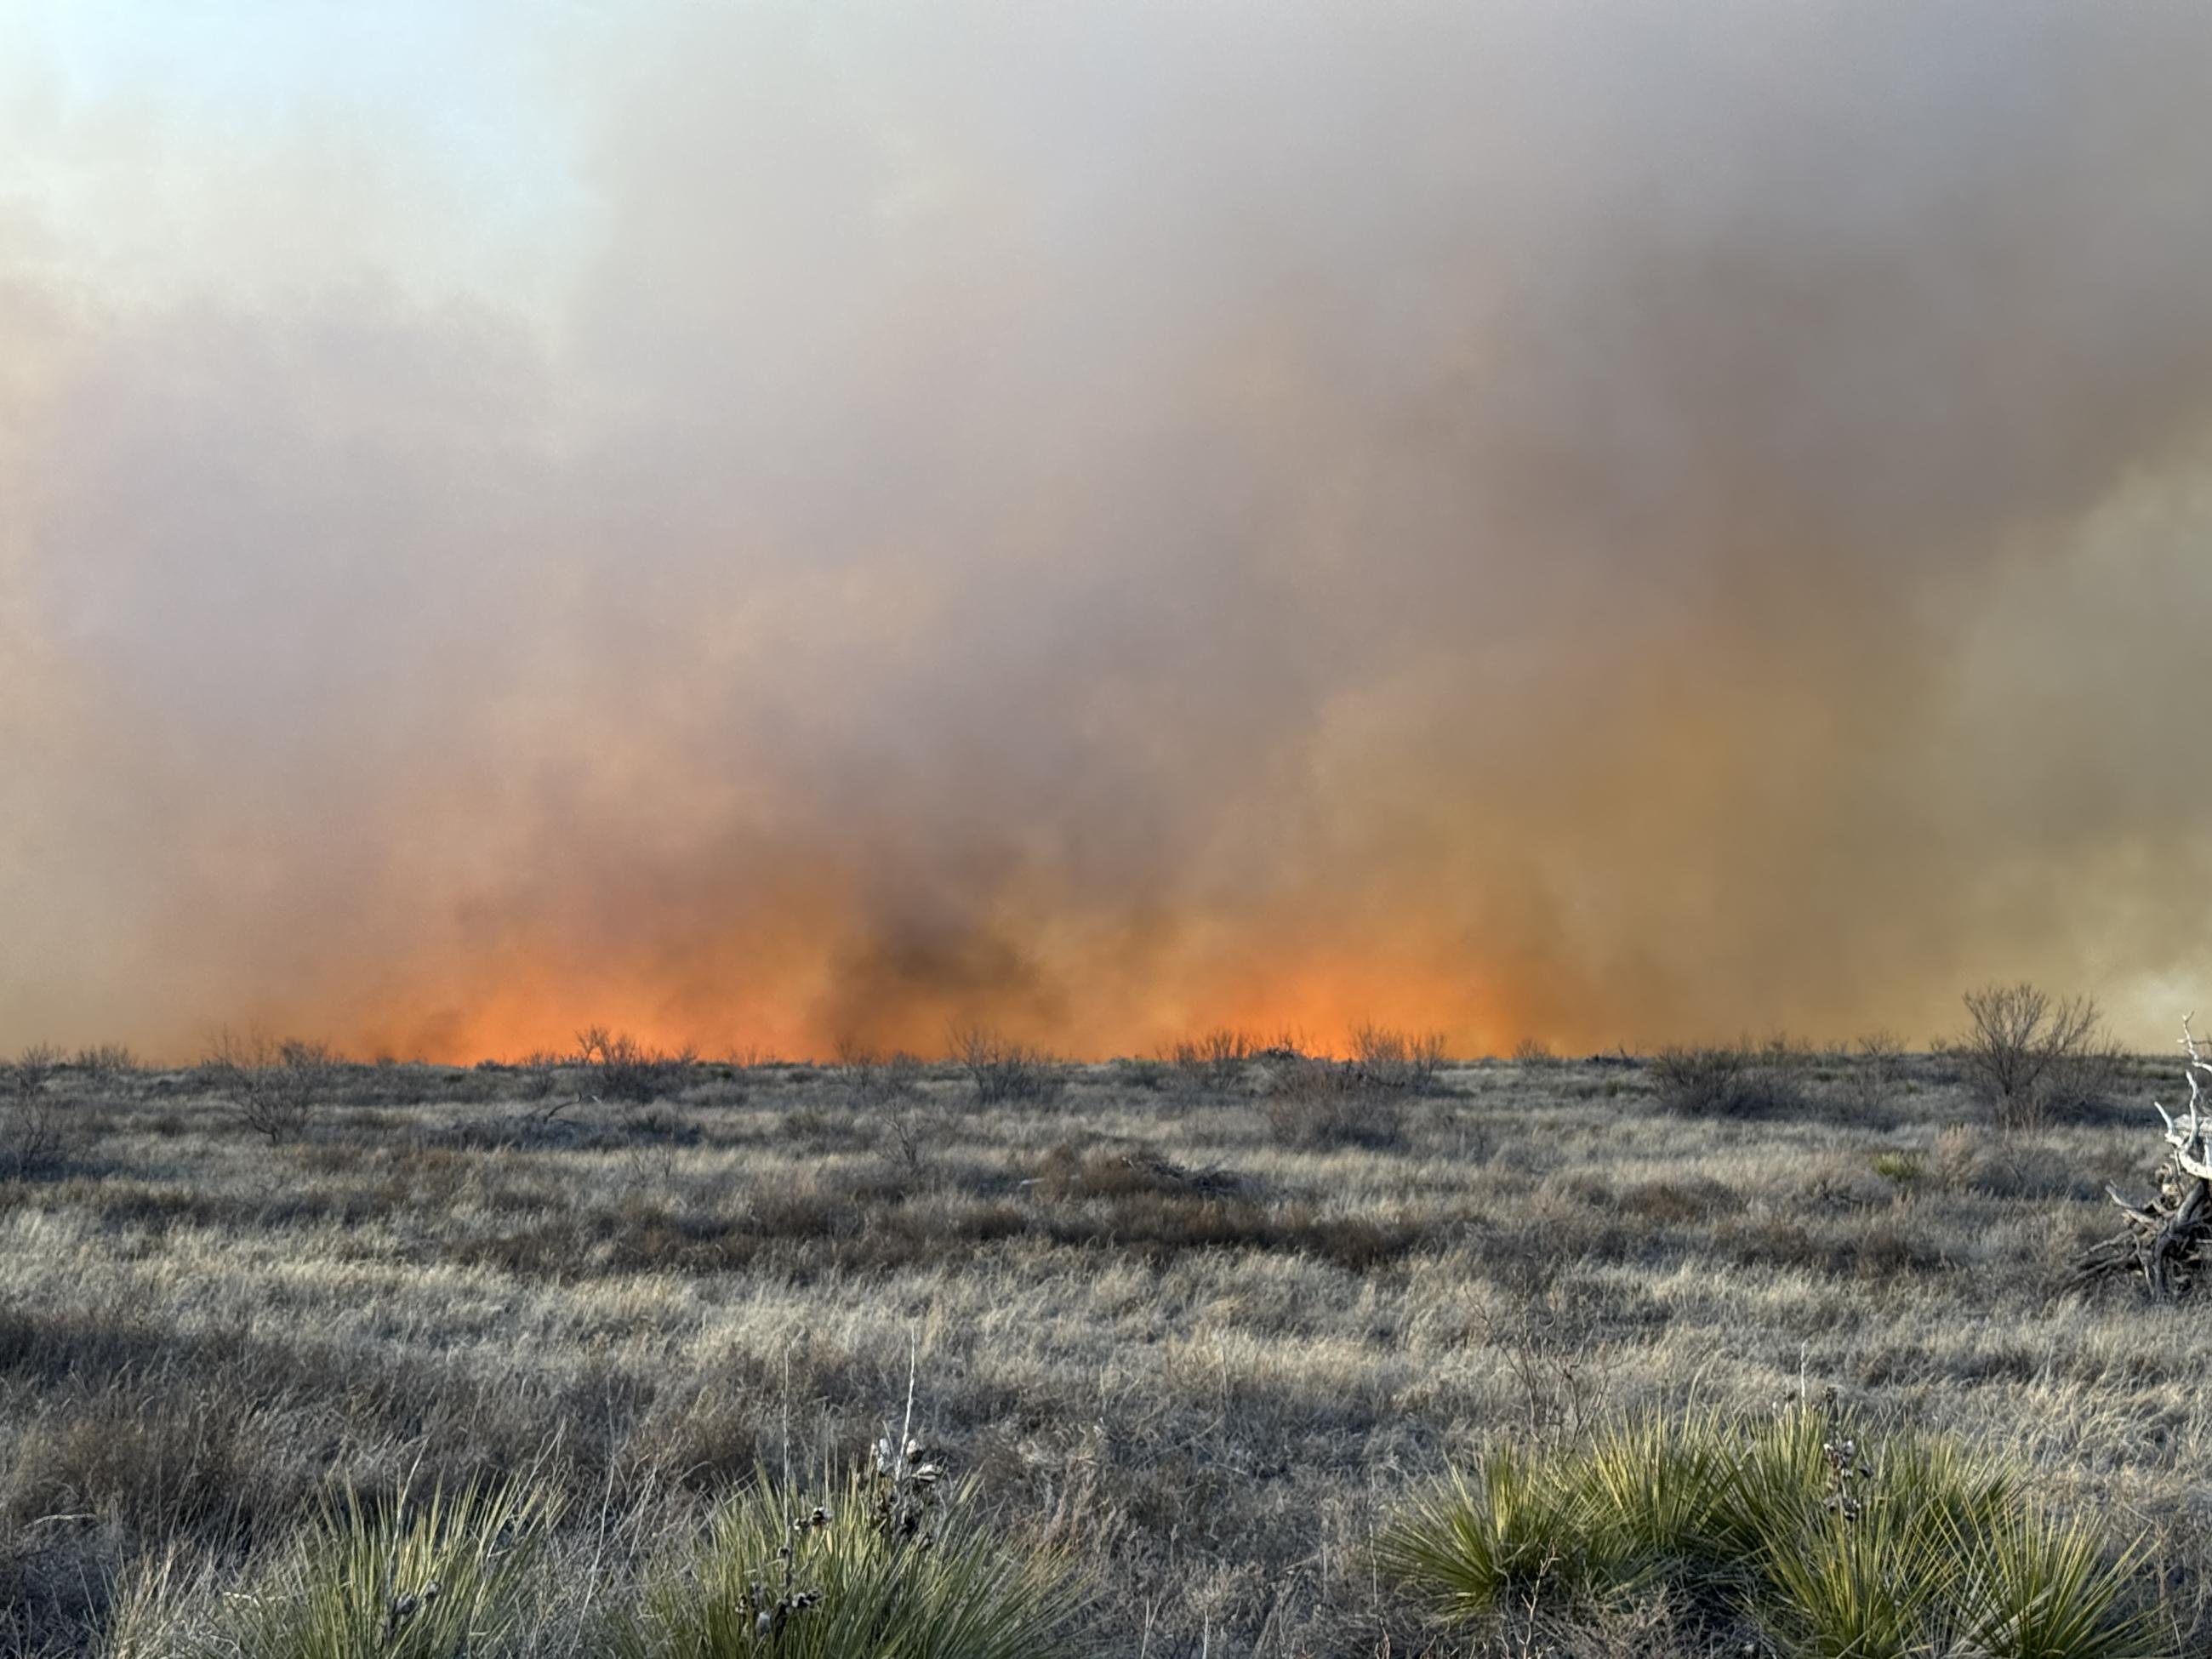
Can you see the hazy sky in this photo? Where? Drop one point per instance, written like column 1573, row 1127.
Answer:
column 774, row 524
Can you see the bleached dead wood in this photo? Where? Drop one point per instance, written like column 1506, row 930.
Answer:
column 2167, row 1238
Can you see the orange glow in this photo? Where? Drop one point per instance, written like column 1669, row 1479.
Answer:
column 772, row 536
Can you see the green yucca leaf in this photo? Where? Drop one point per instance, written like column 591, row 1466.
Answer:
column 965, row 1594
column 449, row 1577
column 2039, row 1587
column 1863, row 1588
column 1654, row 1491
column 1466, row 1547
column 1849, row 1546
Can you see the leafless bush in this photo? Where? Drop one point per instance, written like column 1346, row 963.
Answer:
column 538, row 1073
column 1556, row 1373
column 891, row 1092
column 104, row 1063
column 875, row 1080
column 1005, row 1071
column 33, row 1123
column 1151, row 1073
column 274, row 1087
column 1317, row 1104
column 1213, row 1064
column 616, row 1067
column 31, row 1071
column 1876, row 1073
column 2028, row 1056
column 1730, row 1082
column 1534, row 1051
column 1396, row 1062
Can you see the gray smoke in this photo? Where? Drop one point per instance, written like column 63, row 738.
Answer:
column 1610, row 522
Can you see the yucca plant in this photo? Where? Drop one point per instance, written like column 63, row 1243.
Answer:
column 1466, row 1547
column 883, row 1567
column 450, row 1577
column 1860, row 1587
column 1904, row 1547
column 2042, row 1587
column 1653, row 1490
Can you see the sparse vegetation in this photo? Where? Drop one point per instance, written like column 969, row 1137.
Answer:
column 1741, row 1081
column 35, row 1126
column 104, row 1063
column 1006, row 1072
column 616, row 1066
column 1195, row 1352
column 2028, row 1056
column 274, row 1087
column 1215, row 1063
column 1397, row 1061
column 1313, row 1104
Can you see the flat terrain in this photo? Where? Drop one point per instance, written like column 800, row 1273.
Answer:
column 1167, row 1315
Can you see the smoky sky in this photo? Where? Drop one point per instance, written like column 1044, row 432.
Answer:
column 783, row 525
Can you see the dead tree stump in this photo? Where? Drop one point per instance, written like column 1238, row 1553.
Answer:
column 2168, row 1239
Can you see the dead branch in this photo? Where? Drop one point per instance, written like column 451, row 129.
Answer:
column 2167, row 1238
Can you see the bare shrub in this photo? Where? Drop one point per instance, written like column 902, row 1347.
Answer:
column 1876, row 1072
column 537, row 1074
column 2028, row 1056
column 1533, row 1052
column 33, row 1123
column 616, row 1067
column 1007, row 1071
column 1150, row 1073
column 31, row 1071
column 104, row 1063
column 1214, row 1063
column 1314, row 1105
column 273, row 1086
column 891, row 1092
column 1396, row 1061
column 1730, row 1082
column 876, row 1081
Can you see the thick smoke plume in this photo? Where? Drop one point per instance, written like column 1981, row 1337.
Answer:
column 781, row 525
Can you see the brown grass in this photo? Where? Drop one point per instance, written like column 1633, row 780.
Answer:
column 1207, row 1339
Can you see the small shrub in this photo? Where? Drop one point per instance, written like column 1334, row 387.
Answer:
column 891, row 1092
column 2028, row 1057
column 1315, row 1105
column 1394, row 1061
column 1214, row 1063
column 1151, row 1075
column 1729, row 1082
column 1004, row 1070
column 616, row 1067
column 875, row 1081
column 274, row 1087
column 34, row 1124
column 537, row 1074
column 31, row 1071
column 1875, row 1075
column 1905, row 1168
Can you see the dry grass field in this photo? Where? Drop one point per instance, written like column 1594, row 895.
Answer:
column 1207, row 1325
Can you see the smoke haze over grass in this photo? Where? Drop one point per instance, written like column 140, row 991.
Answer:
column 781, row 524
